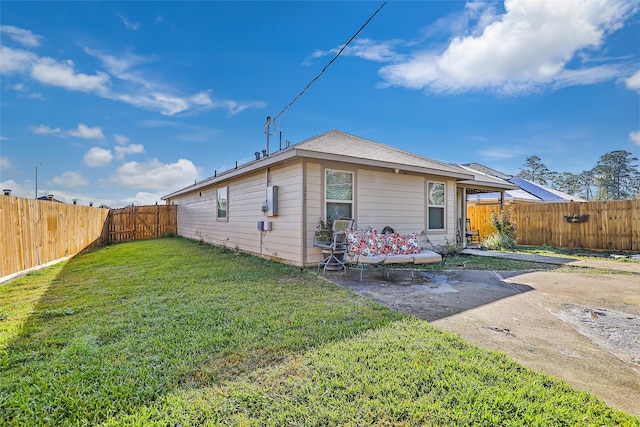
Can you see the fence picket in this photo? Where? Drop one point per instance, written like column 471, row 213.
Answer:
column 612, row 225
column 36, row 232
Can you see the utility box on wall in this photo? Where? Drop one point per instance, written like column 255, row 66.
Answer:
column 272, row 200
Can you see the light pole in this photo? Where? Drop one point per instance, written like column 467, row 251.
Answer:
column 39, row 164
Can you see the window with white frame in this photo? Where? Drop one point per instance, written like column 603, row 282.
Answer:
column 435, row 205
column 222, row 204
column 338, row 194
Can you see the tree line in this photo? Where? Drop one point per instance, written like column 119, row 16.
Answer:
column 615, row 177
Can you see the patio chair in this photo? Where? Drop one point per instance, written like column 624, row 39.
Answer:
column 473, row 236
column 334, row 251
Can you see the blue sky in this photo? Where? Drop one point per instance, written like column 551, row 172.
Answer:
column 124, row 102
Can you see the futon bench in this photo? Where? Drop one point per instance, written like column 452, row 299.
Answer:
column 369, row 249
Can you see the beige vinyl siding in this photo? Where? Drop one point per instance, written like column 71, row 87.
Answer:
column 246, row 196
column 396, row 200
column 314, row 209
column 284, row 242
column 196, row 214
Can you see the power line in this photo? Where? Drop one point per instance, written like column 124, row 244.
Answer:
column 329, row 63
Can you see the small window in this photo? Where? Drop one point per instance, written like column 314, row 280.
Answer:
column 338, row 194
column 222, row 205
column 435, row 205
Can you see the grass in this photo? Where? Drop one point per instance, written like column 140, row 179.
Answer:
column 170, row 332
column 472, row 262
column 575, row 253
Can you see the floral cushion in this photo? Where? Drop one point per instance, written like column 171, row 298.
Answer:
column 370, row 243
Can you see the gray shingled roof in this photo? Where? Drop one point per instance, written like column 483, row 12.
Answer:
column 355, row 149
column 340, row 146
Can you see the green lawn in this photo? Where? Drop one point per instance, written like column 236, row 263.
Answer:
column 170, row 332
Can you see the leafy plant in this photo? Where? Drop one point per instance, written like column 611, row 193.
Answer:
column 324, row 233
column 505, row 226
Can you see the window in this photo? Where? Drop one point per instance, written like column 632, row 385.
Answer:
column 435, row 205
column 221, row 204
column 338, row 195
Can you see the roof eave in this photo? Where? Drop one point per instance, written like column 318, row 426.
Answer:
column 255, row 165
column 381, row 164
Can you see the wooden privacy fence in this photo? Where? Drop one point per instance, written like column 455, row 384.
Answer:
column 613, row 225
column 37, row 232
column 142, row 222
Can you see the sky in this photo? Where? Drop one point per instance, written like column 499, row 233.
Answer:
column 121, row 103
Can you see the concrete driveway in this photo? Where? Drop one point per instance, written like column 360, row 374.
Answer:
column 583, row 328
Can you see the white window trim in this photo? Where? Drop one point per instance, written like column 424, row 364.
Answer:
column 443, row 206
column 218, row 217
column 353, row 191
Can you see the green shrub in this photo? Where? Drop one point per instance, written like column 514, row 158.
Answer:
column 499, row 242
column 504, row 236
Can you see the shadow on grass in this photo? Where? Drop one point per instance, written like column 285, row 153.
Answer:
column 113, row 330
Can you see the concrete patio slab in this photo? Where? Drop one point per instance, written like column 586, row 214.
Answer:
column 582, row 328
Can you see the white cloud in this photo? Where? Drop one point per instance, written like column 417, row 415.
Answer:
column 144, row 198
column 633, row 82
column 97, row 156
column 132, row 26
column 378, row 51
column 85, row 132
column 140, row 91
column 5, row 164
column 50, row 71
column 635, row 137
column 166, row 104
column 16, row 60
column 62, row 74
column 202, row 98
column 121, row 139
column 155, row 175
column 44, row 130
column 527, row 48
column 17, row 189
column 121, row 151
column 24, row 37
column 70, row 179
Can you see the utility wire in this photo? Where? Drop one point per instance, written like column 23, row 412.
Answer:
column 330, row 62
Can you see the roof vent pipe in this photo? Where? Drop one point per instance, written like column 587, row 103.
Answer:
column 265, row 153
column 267, row 131
column 288, row 143
column 257, row 154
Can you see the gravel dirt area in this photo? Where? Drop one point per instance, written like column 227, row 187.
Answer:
column 583, row 328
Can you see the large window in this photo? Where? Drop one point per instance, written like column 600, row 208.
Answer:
column 221, row 205
column 338, row 194
column 435, row 205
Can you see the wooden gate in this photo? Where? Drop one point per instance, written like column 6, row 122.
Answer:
column 142, row 222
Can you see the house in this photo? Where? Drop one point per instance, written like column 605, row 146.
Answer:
column 271, row 206
column 526, row 191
